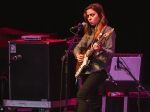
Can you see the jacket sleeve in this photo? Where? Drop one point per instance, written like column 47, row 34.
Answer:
column 81, row 46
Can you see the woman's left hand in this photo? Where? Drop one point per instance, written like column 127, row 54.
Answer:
column 97, row 47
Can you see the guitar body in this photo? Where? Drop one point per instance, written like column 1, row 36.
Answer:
column 81, row 68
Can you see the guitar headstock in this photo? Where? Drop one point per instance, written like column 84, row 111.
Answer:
column 108, row 32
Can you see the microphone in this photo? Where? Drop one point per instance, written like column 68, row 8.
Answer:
column 15, row 58
column 111, row 80
column 80, row 25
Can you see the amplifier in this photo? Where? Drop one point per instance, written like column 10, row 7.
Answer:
column 36, row 75
column 128, row 63
column 133, row 62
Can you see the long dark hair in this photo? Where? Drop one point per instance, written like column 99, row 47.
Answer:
column 103, row 21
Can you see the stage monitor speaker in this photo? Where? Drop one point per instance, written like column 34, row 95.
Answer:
column 35, row 70
column 121, row 76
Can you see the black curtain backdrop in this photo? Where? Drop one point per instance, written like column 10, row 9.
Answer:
column 130, row 21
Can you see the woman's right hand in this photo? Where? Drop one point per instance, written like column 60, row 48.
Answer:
column 80, row 57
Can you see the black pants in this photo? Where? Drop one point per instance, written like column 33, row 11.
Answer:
column 89, row 91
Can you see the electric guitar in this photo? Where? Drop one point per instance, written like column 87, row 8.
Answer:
column 88, row 53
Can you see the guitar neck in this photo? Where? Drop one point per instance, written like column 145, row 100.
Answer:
column 100, row 40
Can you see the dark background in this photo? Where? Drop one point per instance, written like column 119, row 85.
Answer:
column 129, row 19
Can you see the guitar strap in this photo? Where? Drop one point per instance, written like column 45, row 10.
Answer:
column 102, row 32
column 100, row 35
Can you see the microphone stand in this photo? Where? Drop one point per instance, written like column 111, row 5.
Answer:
column 65, row 58
column 3, row 78
column 139, row 86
